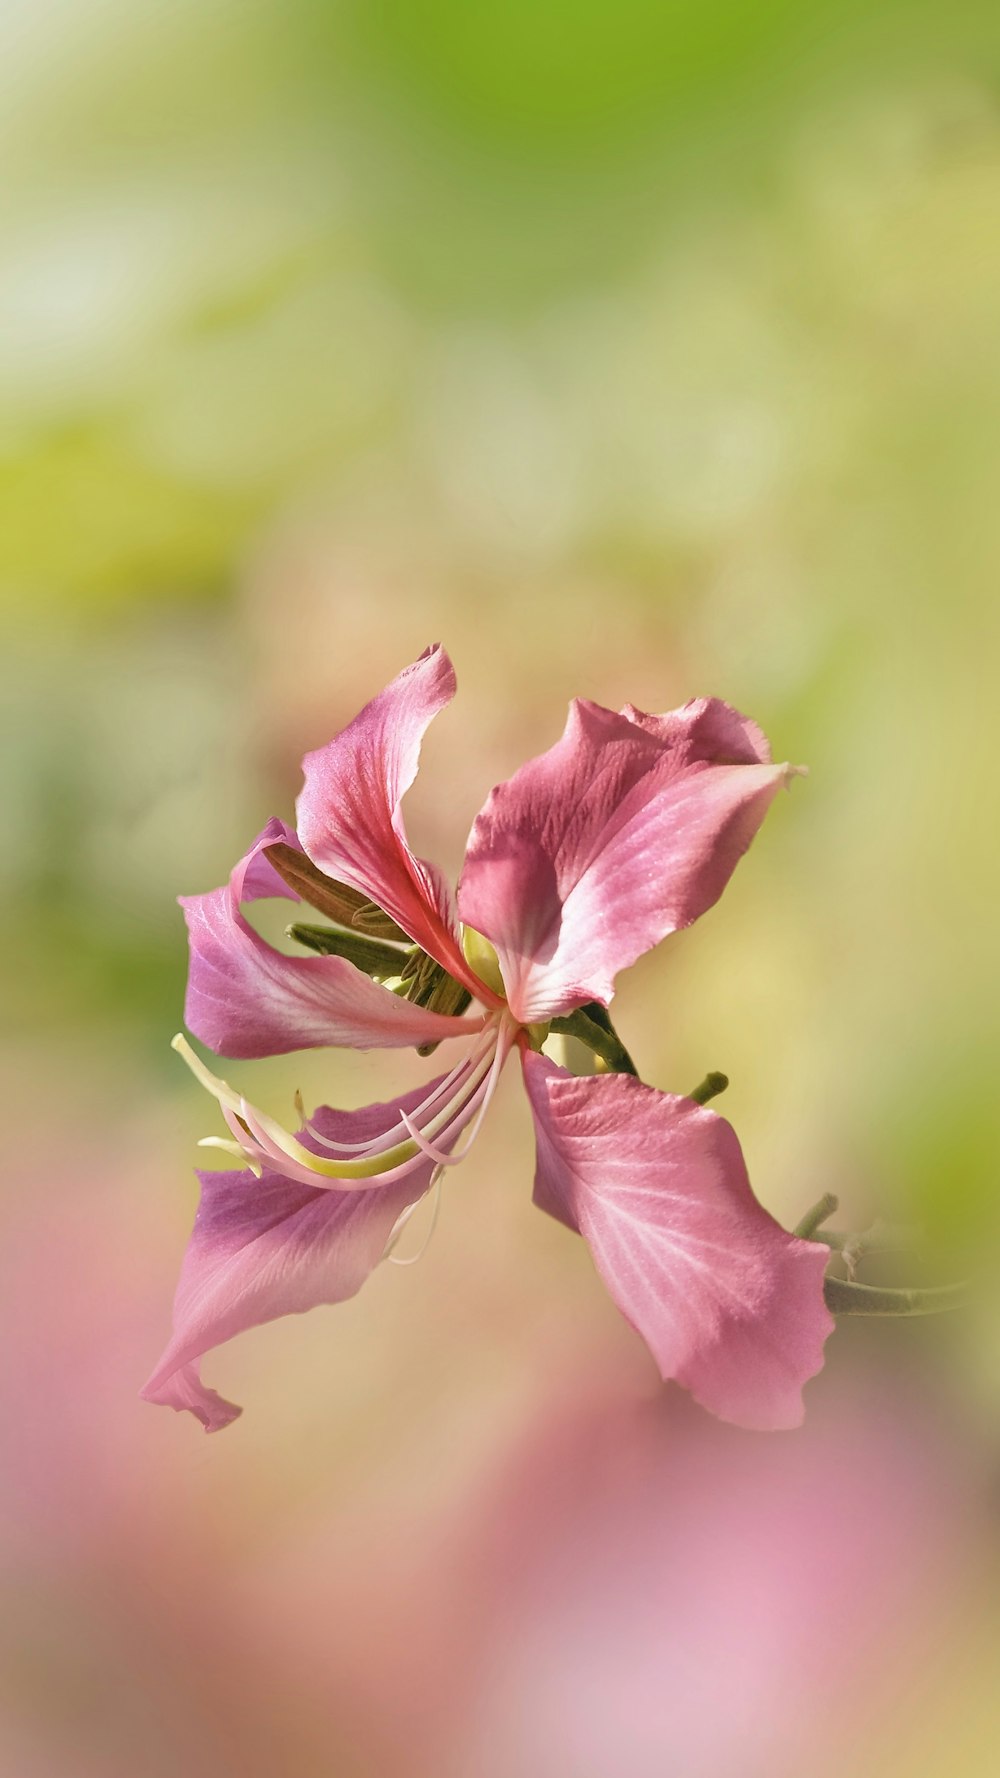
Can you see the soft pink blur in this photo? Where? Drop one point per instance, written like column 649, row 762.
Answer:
column 567, row 1572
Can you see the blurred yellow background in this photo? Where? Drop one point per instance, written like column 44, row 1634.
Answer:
column 641, row 351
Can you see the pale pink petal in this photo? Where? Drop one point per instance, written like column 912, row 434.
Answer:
column 627, row 829
column 184, row 1389
column 350, row 818
column 246, row 999
column 263, row 1248
column 729, row 1303
column 258, row 880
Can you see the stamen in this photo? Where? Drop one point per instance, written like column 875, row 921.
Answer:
column 219, row 1089
column 264, row 1143
column 250, row 1148
column 234, row 1148
column 482, row 1100
column 281, row 1146
column 384, row 1158
column 270, row 1143
column 412, row 1258
column 484, row 1043
column 274, row 1144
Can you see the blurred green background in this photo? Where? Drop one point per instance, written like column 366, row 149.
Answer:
column 640, row 351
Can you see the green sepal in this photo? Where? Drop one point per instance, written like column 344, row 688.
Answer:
column 369, row 955
column 427, row 983
column 419, row 977
column 370, row 918
column 448, row 996
column 441, row 993
column 346, row 906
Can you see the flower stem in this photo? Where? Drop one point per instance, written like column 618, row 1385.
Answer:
column 806, row 1229
column 710, row 1088
column 845, row 1297
column 591, row 1026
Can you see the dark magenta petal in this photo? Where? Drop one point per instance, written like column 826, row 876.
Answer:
column 627, row 829
column 245, row 999
column 350, row 818
column 728, row 1302
column 263, row 1248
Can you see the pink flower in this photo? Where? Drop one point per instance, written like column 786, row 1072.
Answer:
column 625, row 830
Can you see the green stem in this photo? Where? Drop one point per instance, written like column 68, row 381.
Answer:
column 710, row 1088
column 806, row 1229
column 844, row 1297
column 598, row 1035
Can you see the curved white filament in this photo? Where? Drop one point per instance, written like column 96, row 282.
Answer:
column 428, row 1132
column 481, row 1103
column 264, row 1141
column 485, row 1042
column 412, row 1258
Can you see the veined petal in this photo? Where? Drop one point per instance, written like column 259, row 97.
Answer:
column 350, row 817
column 729, row 1303
column 625, row 830
column 245, row 999
column 267, row 1247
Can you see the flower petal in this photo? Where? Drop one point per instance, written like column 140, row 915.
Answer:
column 627, row 829
column 267, row 1247
column 349, row 815
column 245, row 999
column 729, row 1303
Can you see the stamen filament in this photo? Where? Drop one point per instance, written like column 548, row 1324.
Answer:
column 412, row 1258
column 233, row 1148
column 482, row 1100
column 485, row 1042
column 219, row 1089
column 265, row 1142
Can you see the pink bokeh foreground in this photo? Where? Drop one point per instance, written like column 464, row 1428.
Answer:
column 590, row 1580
